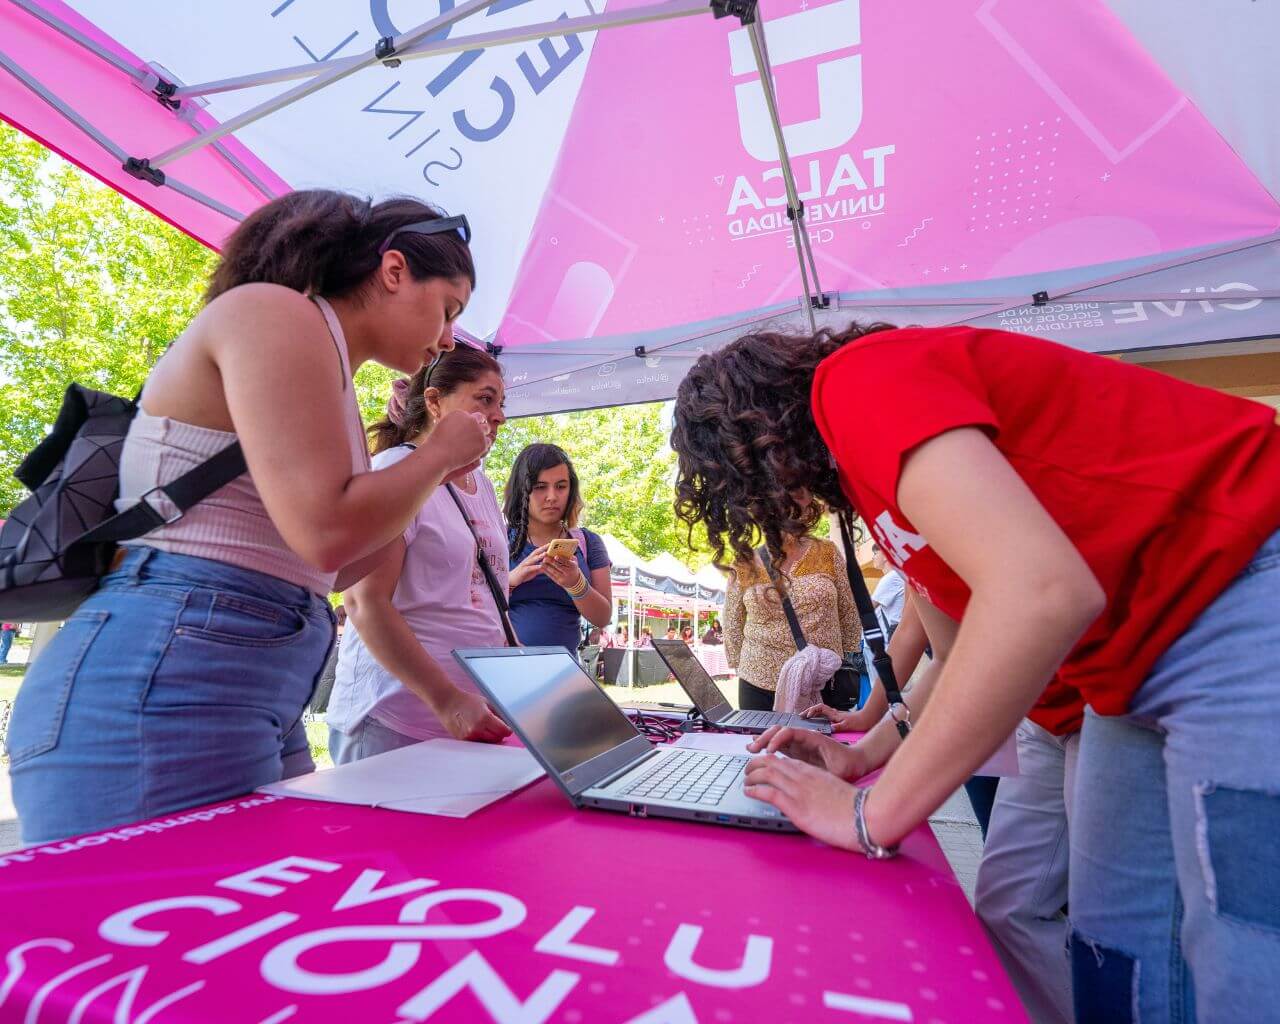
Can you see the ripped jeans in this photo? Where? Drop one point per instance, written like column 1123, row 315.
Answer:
column 1175, row 851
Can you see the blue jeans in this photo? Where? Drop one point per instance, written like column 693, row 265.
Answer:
column 369, row 737
column 181, row 681
column 6, row 641
column 1175, row 845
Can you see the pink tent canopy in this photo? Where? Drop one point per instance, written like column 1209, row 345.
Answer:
column 1101, row 172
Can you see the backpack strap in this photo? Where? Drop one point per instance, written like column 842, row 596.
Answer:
column 873, row 634
column 187, row 490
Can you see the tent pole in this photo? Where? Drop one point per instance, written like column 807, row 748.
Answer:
column 795, row 207
column 80, row 39
column 819, row 297
column 139, row 75
column 386, row 49
column 633, row 633
column 37, row 87
column 436, row 48
column 50, row 98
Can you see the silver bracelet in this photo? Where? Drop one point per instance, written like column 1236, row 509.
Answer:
column 870, row 847
column 901, row 716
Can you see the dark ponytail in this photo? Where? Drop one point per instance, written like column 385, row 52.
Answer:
column 327, row 243
column 407, row 414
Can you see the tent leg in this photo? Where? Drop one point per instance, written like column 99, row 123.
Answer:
column 813, row 298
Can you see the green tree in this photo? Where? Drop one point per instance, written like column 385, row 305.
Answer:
column 92, row 289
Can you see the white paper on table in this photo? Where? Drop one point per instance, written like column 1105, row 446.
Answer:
column 446, row 777
column 719, row 742
column 1004, row 762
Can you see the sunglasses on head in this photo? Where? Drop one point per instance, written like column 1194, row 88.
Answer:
column 438, row 226
column 431, row 366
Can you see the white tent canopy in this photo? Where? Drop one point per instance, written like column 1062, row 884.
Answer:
column 648, row 181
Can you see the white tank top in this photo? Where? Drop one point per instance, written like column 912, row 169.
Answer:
column 231, row 525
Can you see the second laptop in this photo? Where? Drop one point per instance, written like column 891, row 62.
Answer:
column 711, row 703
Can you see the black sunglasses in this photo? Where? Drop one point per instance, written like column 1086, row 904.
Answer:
column 431, row 366
column 441, row 225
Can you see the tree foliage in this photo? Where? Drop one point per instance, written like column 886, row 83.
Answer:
column 93, row 289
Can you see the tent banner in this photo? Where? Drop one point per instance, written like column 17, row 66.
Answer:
column 666, row 585
column 996, row 162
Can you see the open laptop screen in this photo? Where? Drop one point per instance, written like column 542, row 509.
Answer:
column 560, row 711
column 697, row 683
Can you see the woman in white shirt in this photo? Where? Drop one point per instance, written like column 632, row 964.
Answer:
column 397, row 682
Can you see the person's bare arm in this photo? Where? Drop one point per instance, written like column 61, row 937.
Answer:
column 1032, row 596
column 884, row 740
column 393, row 644
column 905, row 650
column 286, row 398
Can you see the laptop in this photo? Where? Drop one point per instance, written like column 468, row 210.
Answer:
column 710, row 702
column 597, row 757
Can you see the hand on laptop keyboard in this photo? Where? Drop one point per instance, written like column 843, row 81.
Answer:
column 815, row 748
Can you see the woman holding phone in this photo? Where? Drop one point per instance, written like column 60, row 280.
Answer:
column 559, row 572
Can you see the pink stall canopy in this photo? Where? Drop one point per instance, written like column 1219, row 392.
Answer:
column 1100, row 172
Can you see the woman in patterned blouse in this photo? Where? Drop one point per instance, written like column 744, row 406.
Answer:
column 757, row 638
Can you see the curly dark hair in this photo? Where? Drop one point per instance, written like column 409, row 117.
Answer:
column 746, row 442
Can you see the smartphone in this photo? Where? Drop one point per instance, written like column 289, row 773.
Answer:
column 562, row 547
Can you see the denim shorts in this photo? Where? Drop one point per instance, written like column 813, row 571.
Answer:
column 180, row 682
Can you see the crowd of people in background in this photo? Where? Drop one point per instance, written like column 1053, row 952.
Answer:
column 610, row 637
column 1087, row 551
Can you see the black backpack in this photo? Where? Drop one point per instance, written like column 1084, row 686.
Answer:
column 59, row 542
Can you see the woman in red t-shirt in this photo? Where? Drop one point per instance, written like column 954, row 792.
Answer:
column 1068, row 523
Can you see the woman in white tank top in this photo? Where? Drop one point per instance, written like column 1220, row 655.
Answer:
column 183, row 679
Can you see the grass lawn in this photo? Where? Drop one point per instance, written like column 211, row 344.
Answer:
column 10, row 677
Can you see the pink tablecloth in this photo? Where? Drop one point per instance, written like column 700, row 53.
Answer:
column 712, row 658
column 266, row 910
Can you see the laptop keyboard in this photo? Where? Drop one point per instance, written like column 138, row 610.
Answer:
column 691, row 776
column 764, row 719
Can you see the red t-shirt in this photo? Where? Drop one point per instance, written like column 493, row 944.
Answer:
column 1166, row 489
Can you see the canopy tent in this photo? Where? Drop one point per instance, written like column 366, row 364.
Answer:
column 1101, row 172
column 661, row 582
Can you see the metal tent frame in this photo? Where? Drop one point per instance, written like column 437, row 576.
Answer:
column 816, row 306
